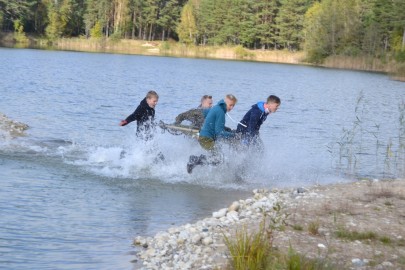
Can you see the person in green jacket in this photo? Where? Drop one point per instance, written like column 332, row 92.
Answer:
column 196, row 116
column 213, row 130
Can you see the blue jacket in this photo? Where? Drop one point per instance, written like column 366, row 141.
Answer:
column 253, row 119
column 214, row 124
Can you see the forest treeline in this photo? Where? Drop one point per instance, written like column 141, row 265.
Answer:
column 321, row 28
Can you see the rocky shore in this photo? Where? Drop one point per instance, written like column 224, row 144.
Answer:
column 321, row 222
column 10, row 128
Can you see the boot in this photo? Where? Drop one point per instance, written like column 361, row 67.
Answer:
column 194, row 161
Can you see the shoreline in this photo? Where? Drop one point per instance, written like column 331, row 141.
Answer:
column 174, row 49
column 371, row 206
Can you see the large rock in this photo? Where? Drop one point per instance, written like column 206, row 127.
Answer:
column 11, row 128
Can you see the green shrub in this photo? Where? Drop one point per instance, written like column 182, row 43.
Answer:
column 242, row 53
column 297, row 227
column 19, row 34
column 165, row 46
column 248, row 251
column 96, row 31
column 400, row 56
column 116, row 36
column 316, row 56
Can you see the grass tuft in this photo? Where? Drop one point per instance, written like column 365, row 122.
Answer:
column 248, row 251
column 313, row 228
column 354, row 235
column 297, row 227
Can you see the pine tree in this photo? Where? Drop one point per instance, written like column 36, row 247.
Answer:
column 290, row 22
column 98, row 11
column 11, row 10
column 266, row 12
column 168, row 17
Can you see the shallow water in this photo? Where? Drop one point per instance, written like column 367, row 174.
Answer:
column 77, row 189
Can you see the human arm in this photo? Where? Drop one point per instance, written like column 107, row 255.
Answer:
column 195, row 116
column 136, row 115
column 188, row 115
column 220, row 131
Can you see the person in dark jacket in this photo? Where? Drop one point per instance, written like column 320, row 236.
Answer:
column 213, row 130
column 196, row 116
column 144, row 115
column 250, row 125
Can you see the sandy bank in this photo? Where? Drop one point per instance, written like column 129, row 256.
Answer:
column 323, row 222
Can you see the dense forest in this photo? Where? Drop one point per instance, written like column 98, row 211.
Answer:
column 321, row 28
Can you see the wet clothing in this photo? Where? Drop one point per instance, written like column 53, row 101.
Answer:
column 253, row 119
column 212, row 130
column 144, row 117
column 214, row 124
column 195, row 116
column 207, row 143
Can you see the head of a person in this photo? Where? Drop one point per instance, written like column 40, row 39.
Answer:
column 230, row 101
column 152, row 98
column 272, row 104
column 206, row 102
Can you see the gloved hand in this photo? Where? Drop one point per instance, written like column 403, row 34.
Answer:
column 123, row 123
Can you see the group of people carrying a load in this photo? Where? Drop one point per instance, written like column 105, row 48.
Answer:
column 210, row 121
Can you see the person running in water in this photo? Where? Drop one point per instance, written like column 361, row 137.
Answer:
column 196, row 116
column 213, row 130
column 144, row 115
column 249, row 126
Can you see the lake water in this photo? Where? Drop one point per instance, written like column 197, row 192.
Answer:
column 70, row 198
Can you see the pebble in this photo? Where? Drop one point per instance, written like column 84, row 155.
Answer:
column 200, row 245
column 359, row 262
column 234, row 207
column 301, row 190
column 321, row 246
column 387, row 264
column 220, row 213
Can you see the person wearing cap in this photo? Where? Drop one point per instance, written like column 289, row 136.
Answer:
column 144, row 115
column 213, row 130
column 249, row 126
column 196, row 116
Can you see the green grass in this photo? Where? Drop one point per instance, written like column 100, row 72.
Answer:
column 369, row 235
column 313, row 228
column 385, row 240
column 355, row 235
column 248, row 250
column 254, row 250
column 297, row 227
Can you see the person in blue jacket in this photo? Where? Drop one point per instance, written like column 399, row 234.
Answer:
column 250, row 124
column 213, row 130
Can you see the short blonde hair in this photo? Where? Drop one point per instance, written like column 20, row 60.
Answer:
column 151, row 94
column 232, row 98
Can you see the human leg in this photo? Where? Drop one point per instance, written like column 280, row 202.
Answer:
column 214, row 157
